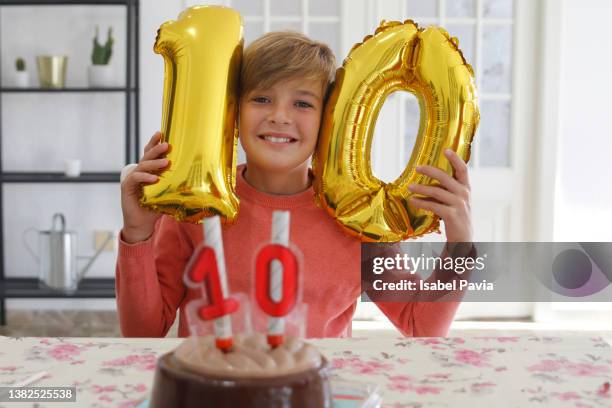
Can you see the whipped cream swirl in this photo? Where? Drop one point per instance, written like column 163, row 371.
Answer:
column 251, row 357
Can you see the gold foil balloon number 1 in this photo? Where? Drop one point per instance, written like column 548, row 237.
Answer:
column 202, row 52
column 398, row 57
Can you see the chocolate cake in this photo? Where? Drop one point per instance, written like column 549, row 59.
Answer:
column 252, row 374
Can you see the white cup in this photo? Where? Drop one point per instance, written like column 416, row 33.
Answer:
column 72, row 167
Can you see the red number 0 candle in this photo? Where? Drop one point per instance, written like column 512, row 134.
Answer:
column 289, row 283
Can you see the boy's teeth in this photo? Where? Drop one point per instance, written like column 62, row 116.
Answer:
column 277, row 139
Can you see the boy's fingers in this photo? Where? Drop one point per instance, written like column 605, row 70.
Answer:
column 136, row 179
column 459, row 166
column 155, row 152
column 153, row 141
column 152, row 165
column 440, row 210
column 445, row 180
column 440, row 194
column 142, row 177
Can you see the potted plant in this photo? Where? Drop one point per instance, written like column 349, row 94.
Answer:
column 100, row 73
column 22, row 78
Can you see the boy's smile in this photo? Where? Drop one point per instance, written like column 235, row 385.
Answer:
column 279, row 127
column 277, row 138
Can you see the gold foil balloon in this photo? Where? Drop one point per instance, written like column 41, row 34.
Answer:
column 398, row 57
column 202, row 52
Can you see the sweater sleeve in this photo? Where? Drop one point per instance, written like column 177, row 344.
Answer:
column 422, row 319
column 149, row 284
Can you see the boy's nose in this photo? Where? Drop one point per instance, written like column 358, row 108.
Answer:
column 279, row 115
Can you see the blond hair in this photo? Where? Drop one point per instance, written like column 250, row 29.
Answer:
column 285, row 55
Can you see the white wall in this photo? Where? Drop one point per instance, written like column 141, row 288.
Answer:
column 583, row 198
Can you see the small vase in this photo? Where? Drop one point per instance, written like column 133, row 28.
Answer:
column 52, row 70
column 21, row 79
column 100, row 76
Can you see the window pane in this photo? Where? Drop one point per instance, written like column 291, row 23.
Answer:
column 286, row 25
column 411, row 125
column 497, row 8
column 466, row 35
column 329, row 33
column 461, row 8
column 385, row 152
column 497, row 59
column 286, row 7
column 248, row 7
column 324, row 8
column 494, row 133
column 421, row 8
column 252, row 31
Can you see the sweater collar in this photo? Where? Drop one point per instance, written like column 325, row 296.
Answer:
column 250, row 193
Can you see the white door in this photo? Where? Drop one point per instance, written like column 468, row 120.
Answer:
column 496, row 37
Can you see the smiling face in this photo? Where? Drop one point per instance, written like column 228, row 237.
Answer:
column 279, row 126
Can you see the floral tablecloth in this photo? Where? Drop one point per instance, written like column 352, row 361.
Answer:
column 414, row 372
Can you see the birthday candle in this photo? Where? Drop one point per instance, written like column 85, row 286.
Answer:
column 213, row 239
column 280, row 235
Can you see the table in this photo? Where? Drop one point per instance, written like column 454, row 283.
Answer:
column 525, row 371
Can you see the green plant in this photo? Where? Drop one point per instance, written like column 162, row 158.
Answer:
column 20, row 64
column 101, row 54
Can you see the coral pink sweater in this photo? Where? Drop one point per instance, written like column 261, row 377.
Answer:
column 150, row 287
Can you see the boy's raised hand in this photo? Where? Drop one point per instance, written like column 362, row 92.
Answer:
column 451, row 200
column 138, row 222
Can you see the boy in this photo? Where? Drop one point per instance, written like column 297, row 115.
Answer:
column 285, row 79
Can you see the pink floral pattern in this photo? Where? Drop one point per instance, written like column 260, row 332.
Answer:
column 356, row 365
column 564, row 366
column 64, row 352
column 421, row 372
column 144, row 362
column 471, row 357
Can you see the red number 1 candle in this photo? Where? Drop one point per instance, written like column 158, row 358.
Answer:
column 210, row 267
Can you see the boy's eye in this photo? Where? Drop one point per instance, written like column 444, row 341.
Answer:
column 303, row 104
column 261, row 99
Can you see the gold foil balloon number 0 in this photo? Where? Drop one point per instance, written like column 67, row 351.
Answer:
column 202, row 51
column 398, row 57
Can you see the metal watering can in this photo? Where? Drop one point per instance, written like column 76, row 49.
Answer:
column 57, row 256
